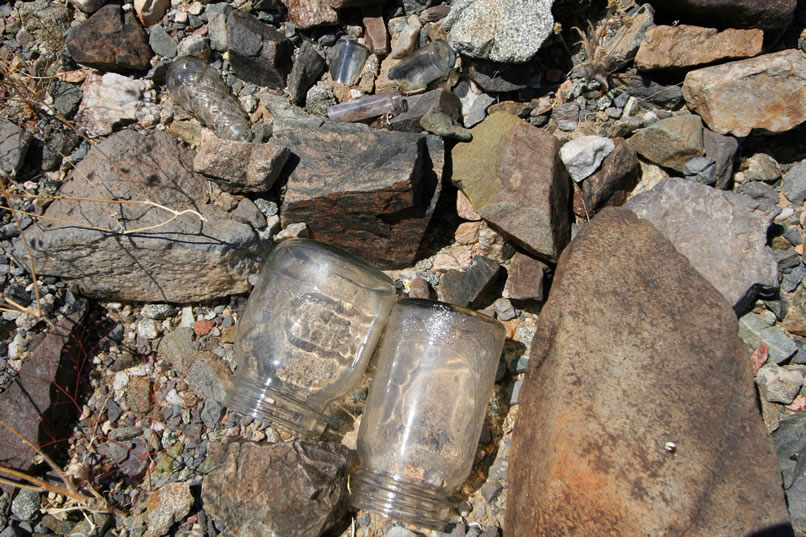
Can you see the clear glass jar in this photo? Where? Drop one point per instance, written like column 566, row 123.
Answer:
column 423, row 66
column 368, row 107
column 425, row 411
column 309, row 329
column 349, row 57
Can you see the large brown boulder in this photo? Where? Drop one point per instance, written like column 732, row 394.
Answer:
column 638, row 413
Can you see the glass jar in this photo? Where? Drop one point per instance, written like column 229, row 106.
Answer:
column 423, row 66
column 308, row 331
column 198, row 89
column 368, row 107
column 349, row 57
column 425, row 411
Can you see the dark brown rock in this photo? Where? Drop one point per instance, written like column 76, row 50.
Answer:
column 37, row 405
column 371, row 192
column 110, row 40
column 772, row 16
column 294, row 490
column 173, row 257
column 512, row 174
column 610, row 185
column 663, row 436
column 525, row 278
column 308, row 67
column 258, row 52
column 465, row 288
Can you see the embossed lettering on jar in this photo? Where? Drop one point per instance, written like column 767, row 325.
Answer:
column 305, row 339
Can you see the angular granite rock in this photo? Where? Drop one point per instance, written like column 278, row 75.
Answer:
column 184, row 260
column 670, row 142
column 512, row 174
column 638, row 412
column 676, row 47
column 258, row 52
column 295, row 490
column 766, row 92
column 371, row 192
column 110, row 40
column 224, row 161
column 499, row 30
column 719, row 234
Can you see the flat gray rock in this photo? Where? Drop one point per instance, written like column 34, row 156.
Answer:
column 718, row 233
column 14, row 143
column 794, row 183
column 185, row 260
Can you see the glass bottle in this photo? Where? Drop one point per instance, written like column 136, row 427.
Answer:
column 425, row 411
column 415, row 71
column 308, row 331
column 367, row 107
column 349, row 57
column 196, row 87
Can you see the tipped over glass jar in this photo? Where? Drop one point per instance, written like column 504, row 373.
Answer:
column 418, row 69
column 425, row 411
column 306, row 336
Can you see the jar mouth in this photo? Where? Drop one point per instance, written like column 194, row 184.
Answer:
column 443, row 55
column 280, row 405
column 415, row 503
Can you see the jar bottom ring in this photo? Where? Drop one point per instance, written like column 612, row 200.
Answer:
column 279, row 405
column 408, row 502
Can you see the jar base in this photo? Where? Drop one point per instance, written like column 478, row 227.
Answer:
column 424, row 506
column 279, row 405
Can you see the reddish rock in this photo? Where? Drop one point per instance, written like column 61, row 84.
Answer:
column 525, row 278
column 638, row 413
column 512, row 174
column 371, row 192
column 110, row 40
column 766, row 93
column 675, row 47
column 611, row 184
column 203, row 327
column 377, row 36
column 310, row 13
column 38, row 403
